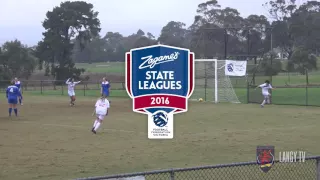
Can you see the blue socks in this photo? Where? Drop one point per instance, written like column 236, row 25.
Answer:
column 15, row 111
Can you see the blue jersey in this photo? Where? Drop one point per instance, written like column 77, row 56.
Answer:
column 105, row 87
column 18, row 85
column 13, row 92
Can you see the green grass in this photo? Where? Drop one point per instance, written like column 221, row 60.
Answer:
column 112, row 67
column 94, row 93
column 279, row 80
column 51, row 140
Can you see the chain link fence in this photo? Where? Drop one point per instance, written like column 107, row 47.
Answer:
column 299, row 93
column 308, row 170
column 302, row 89
column 50, row 87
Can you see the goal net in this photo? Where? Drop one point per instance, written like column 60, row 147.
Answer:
column 211, row 83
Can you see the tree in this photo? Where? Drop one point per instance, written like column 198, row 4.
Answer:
column 114, row 46
column 296, row 31
column 256, row 29
column 93, row 52
column 303, row 60
column 174, row 34
column 226, row 26
column 140, row 33
column 270, row 66
column 282, row 37
column 150, row 36
column 111, row 47
column 144, row 41
column 281, row 11
column 305, row 26
column 69, row 21
column 16, row 60
column 137, row 40
column 207, row 13
column 204, row 41
column 3, row 75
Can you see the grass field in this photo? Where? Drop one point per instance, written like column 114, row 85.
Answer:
column 51, row 140
column 279, row 80
column 114, row 67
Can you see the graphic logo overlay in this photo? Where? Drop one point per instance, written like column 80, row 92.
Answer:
column 265, row 157
column 160, row 79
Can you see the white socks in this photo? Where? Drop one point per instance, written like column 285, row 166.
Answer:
column 97, row 126
column 95, row 123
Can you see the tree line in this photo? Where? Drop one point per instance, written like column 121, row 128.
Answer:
column 72, row 34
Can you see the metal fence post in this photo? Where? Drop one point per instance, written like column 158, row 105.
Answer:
column 172, row 174
column 205, row 81
column 225, row 43
column 41, row 86
column 306, row 95
column 307, row 83
column 61, row 90
column 318, row 168
column 248, row 94
column 123, row 86
column 84, row 89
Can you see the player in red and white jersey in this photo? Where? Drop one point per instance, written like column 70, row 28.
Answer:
column 71, row 84
column 101, row 110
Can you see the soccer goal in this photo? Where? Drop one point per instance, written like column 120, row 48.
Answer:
column 212, row 84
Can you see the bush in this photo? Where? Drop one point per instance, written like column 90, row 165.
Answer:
column 270, row 66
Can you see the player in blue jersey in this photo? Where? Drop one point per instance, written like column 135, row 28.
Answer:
column 18, row 84
column 13, row 94
column 105, row 87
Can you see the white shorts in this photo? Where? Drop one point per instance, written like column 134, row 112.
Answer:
column 71, row 93
column 266, row 96
column 101, row 117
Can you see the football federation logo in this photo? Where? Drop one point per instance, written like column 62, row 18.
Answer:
column 230, row 67
column 265, row 157
column 160, row 79
column 160, row 119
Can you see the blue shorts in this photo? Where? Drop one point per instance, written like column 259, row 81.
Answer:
column 13, row 101
column 106, row 93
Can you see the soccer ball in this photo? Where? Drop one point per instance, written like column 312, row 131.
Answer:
column 200, row 100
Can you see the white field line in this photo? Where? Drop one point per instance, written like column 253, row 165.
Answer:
column 192, row 134
column 103, row 65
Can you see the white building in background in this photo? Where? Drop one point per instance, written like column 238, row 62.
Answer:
column 280, row 54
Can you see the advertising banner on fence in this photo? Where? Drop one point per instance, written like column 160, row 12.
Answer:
column 160, row 79
column 235, row 68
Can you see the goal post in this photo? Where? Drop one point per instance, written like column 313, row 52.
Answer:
column 212, row 84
